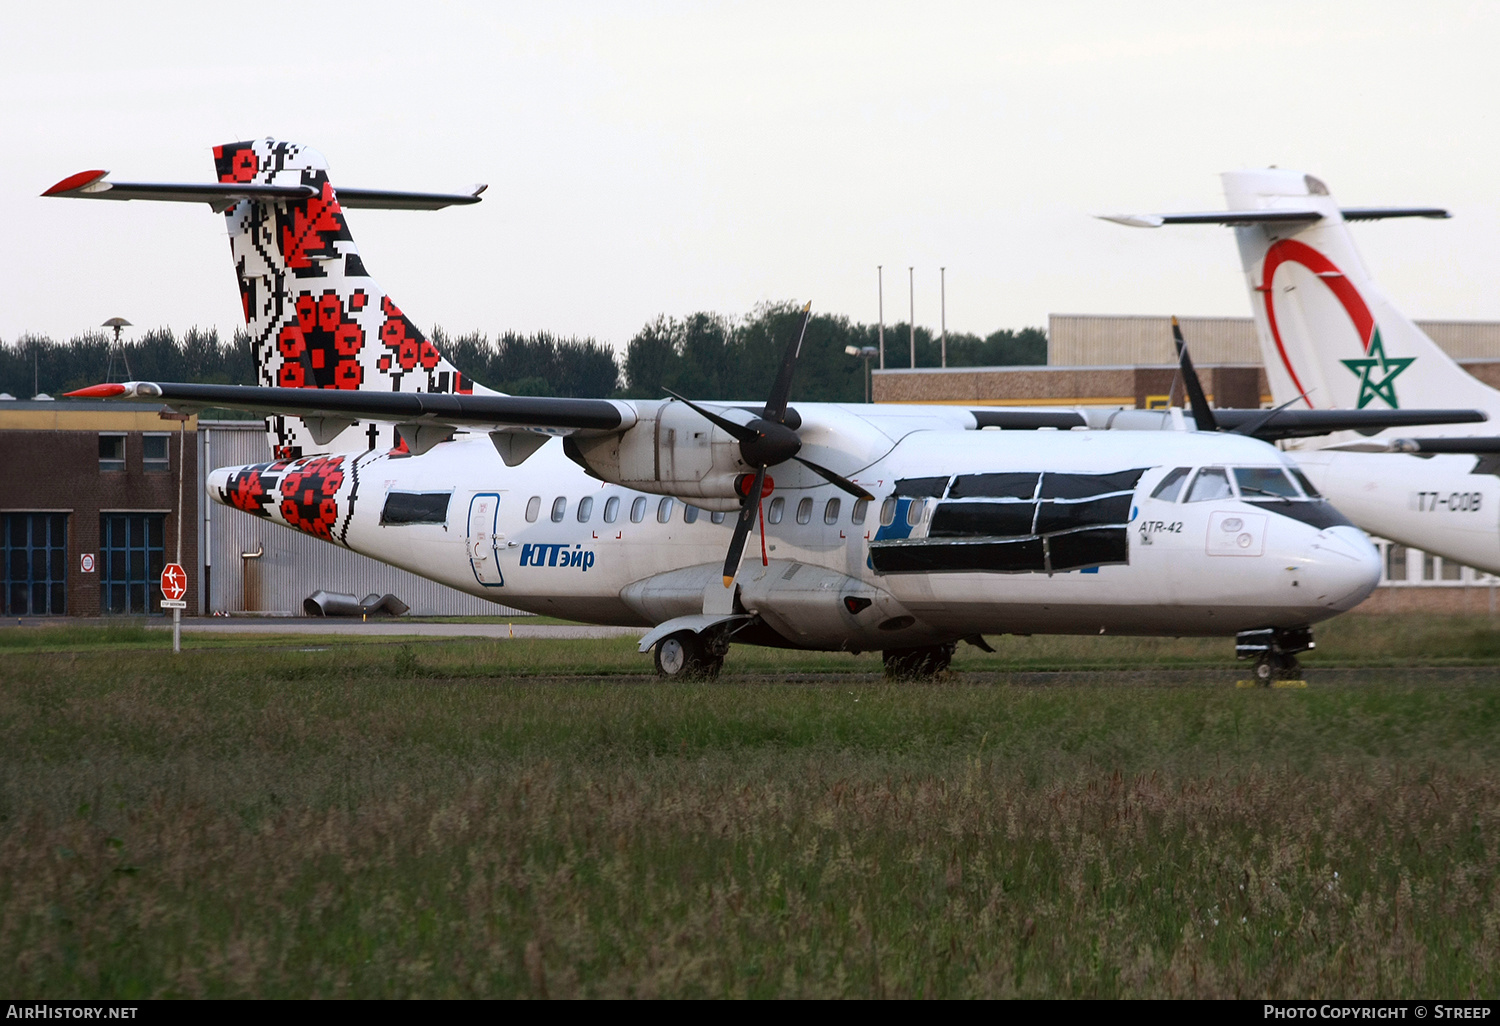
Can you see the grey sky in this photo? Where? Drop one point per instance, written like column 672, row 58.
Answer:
column 649, row 158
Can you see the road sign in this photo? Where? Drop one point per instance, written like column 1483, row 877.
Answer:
column 173, row 603
column 173, row 582
column 86, row 562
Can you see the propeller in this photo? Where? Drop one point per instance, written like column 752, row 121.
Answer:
column 1203, row 416
column 764, row 442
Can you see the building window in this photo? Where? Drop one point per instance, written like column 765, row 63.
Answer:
column 132, row 551
column 111, row 452
column 1452, row 571
column 34, row 554
column 804, row 511
column 154, row 453
column 585, row 509
column 1395, row 562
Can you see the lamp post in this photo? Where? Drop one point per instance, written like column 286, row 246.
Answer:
column 911, row 284
column 866, row 353
column 943, row 285
column 880, row 288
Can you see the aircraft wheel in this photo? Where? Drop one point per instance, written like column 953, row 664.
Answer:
column 910, row 663
column 1274, row 666
column 684, row 656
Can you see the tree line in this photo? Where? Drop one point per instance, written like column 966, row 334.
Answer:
column 702, row 355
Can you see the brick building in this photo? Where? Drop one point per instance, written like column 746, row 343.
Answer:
column 89, row 507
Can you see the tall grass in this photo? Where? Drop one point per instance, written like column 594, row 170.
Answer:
column 423, row 820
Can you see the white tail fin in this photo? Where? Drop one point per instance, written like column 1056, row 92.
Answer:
column 315, row 316
column 1327, row 331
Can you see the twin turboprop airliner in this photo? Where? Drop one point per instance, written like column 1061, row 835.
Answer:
column 898, row 529
column 1333, row 341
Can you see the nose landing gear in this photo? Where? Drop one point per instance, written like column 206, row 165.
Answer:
column 1275, row 652
column 690, row 656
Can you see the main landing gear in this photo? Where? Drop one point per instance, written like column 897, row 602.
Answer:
column 909, row 663
column 689, row 656
column 1275, row 652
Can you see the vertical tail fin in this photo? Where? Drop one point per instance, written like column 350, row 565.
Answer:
column 315, row 316
column 1326, row 329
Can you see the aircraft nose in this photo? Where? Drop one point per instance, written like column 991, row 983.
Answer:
column 1345, row 567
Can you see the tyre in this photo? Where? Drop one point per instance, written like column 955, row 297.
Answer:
column 684, row 656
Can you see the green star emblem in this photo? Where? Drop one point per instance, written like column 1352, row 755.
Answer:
column 1389, row 367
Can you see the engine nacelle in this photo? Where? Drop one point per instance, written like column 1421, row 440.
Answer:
column 671, row 450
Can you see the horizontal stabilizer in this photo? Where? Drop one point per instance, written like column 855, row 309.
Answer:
column 223, row 195
column 1307, row 423
column 561, row 416
column 1461, row 446
column 1240, row 217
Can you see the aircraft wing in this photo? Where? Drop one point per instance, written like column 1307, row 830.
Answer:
column 1270, row 425
column 1238, row 217
column 491, row 412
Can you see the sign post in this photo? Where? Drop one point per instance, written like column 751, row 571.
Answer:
column 173, row 577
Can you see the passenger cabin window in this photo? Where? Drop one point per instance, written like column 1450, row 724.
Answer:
column 914, row 512
column 1171, row 485
column 111, row 452
column 717, row 516
column 1264, row 483
column 664, row 509
column 689, row 514
column 611, row 509
column 415, row 508
column 861, row 507
column 585, row 509
column 777, row 510
column 888, row 511
column 804, row 511
column 559, row 509
column 638, row 509
column 154, row 456
column 831, row 512
column 533, row 508
column 1211, row 483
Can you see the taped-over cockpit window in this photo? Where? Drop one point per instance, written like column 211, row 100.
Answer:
column 415, row 508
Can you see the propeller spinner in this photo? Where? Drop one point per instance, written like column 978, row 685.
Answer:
column 766, row 441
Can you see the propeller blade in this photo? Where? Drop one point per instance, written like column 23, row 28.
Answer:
column 1202, row 415
column 739, row 432
column 781, row 391
column 836, row 479
column 742, row 527
column 1251, row 427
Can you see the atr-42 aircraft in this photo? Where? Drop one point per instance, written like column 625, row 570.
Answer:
column 899, row 529
column 1333, row 341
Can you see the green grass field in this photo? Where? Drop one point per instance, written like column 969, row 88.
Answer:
column 541, row 818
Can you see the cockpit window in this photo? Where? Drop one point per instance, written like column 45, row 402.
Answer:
column 1211, row 483
column 1171, row 485
column 1264, row 483
column 1307, row 486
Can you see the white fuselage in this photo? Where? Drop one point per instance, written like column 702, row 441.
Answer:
column 528, row 537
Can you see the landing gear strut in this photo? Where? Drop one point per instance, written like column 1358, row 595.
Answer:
column 1275, row 652
column 689, row 656
column 908, row 663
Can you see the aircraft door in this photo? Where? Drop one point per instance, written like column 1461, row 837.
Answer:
column 484, row 545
